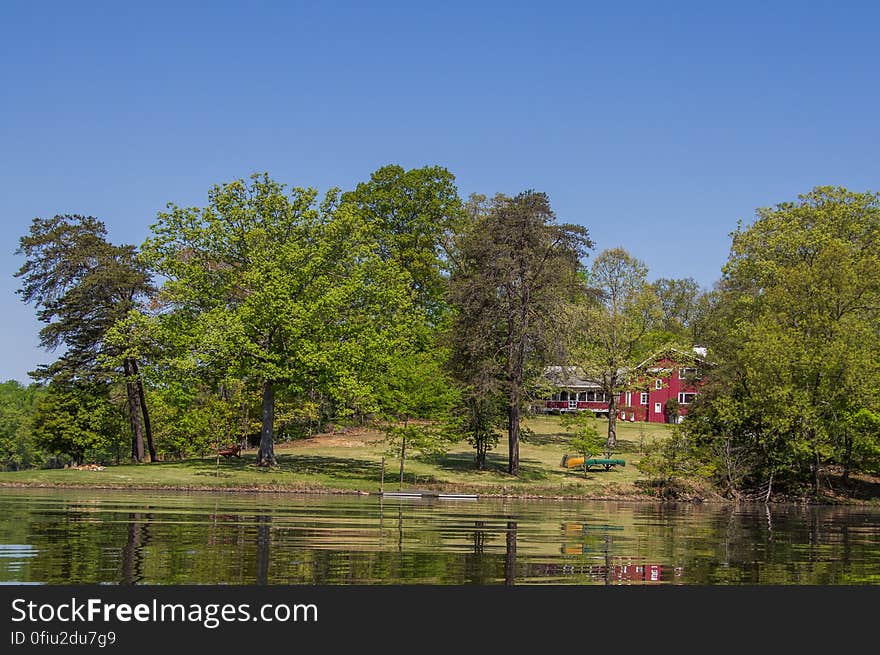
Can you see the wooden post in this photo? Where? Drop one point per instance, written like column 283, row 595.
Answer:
column 382, row 481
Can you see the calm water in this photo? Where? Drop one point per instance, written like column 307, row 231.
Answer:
column 63, row 537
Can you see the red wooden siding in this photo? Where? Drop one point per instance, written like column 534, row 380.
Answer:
column 671, row 386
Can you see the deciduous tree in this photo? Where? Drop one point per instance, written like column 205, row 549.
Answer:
column 275, row 286
column 414, row 215
column 609, row 326
column 683, row 305
column 795, row 331
column 17, row 446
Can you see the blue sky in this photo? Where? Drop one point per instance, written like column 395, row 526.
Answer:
column 656, row 125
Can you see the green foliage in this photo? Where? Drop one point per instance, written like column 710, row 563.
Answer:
column 415, row 385
column 413, row 215
column 863, row 449
column 584, row 428
column 795, row 330
column 611, row 325
column 683, row 307
column 515, row 268
column 666, row 460
column 426, row 438
column 80, row 421
column 477, row 417
column 81, row 285
column 585, row 439
column 415, row 397
column 274, row 286
column 193, row 420
column 18, row 449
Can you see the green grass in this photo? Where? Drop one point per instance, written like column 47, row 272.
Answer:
column 355, row 465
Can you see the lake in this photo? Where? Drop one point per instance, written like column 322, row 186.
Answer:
column 148, row 537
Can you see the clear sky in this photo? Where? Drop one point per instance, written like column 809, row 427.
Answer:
column 656, row 125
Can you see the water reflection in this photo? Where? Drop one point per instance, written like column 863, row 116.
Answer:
column 510, row 554
column 61, row 537
column 264, row 538
column 133, row 550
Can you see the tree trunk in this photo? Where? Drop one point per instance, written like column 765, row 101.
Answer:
column 611, row 442
column 513, row 414
column 402, row 455
column 148, row 430
column 134, row 413
column 266, row 455
column 482, row 442
column 847, row 456
column 727, row 465
column 514, row 379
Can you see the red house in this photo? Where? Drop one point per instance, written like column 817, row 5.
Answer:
column 661, row 389
column 573, row 392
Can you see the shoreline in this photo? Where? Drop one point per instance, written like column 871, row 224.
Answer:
column 318, row 490
column 329, row 491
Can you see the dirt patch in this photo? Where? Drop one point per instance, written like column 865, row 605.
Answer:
column 352, row 438
column 860, row 487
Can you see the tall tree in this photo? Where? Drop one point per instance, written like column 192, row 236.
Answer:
column 82, row 285
column 683, row 305
column 275, row 286
column 515, row 268
column 610, row 324
column 414, row 214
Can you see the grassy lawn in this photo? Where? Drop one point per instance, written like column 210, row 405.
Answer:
column 352, row 462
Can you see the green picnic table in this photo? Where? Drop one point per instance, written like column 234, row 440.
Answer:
column 572, row 461
column 606, row 463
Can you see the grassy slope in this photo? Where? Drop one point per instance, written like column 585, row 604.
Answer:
column 352, row 462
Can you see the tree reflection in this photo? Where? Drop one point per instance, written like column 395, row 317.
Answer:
column 264, row 522
column 510, row 554
column 476, row 566
column 137, row 538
